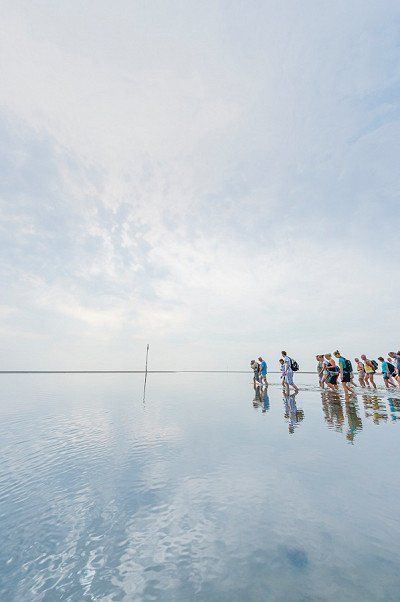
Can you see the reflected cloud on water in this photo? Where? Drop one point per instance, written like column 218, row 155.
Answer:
column 192, row 495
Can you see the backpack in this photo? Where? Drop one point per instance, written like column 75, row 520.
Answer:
column 294, row 365
column 391, row 368
column 348, row 366
column 375, row 364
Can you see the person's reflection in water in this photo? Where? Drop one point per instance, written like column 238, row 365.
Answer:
column 257, row 396
column 265, row 401
column 292, row 413
column 336, row 412
column 261, row 398
column 332, row 409
column 354, row 421
column 375, row 408
column 394, row 407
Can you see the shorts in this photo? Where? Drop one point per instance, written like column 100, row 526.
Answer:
column 346, row 377
column 288, row 378
column 332, row 380
column 264, row 374
column 386, row 376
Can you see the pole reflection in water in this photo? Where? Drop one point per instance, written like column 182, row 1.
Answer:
column 293, row 414
column 145, row 373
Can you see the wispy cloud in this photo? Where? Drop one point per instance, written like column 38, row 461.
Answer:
column 214, row 179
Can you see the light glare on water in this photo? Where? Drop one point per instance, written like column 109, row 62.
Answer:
column 206, row 491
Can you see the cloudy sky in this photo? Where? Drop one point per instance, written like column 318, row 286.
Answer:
column 219, row 179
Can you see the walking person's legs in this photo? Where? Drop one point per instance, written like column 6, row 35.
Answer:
column 332, row 381
column 286, row 386
column 290, row 382
column 346, row 388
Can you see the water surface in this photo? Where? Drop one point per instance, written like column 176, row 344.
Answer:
column 206, row 491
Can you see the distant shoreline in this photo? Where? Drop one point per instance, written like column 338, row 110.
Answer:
column 139, row 372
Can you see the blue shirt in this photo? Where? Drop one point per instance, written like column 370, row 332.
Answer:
column 385, row 368
column 263, row 368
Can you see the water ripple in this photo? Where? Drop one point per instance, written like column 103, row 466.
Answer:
column 196, row 496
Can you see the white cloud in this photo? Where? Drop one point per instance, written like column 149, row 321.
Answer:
column 209, row 183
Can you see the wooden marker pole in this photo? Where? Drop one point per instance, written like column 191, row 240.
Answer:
column 145, row 373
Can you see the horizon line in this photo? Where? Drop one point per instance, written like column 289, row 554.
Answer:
column 140, row 371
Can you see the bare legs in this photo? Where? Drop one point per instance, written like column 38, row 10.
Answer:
column 286, row 387
column 361, row 377
column 369, row 380
column 347, row 388
column 389, row 382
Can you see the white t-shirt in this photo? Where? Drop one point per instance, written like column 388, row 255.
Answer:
column 288, row 364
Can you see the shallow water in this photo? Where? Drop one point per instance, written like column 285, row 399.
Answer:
column 202, row 492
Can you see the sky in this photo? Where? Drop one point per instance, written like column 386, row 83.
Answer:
column 217, row 179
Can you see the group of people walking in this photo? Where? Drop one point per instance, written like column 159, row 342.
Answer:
column 333, row 368
column 288, row 367
column 329, row 372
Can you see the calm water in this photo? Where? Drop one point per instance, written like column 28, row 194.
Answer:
column 200, row 493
